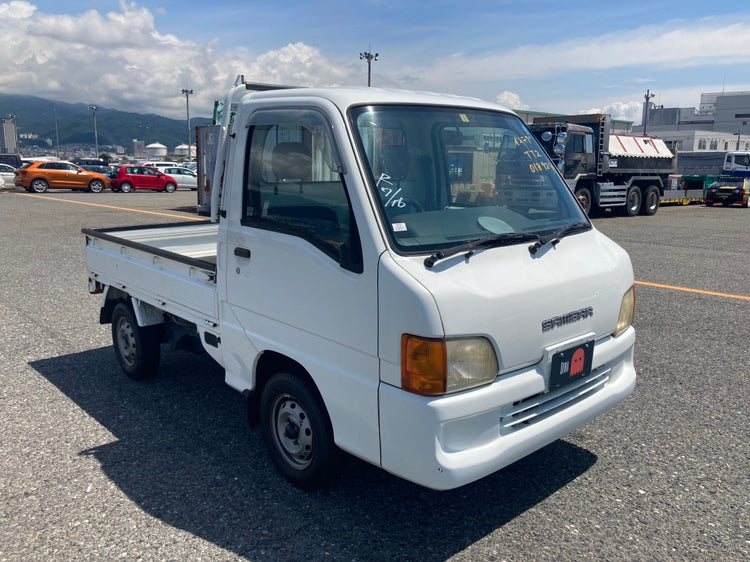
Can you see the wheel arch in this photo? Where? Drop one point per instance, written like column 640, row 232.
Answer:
column 268, row 364
column 145, row 314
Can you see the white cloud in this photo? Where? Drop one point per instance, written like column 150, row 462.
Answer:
column 510, row 100
column 121, row 60
column 628, row 110
column 670, row 45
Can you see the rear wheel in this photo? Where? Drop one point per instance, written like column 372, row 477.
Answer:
column 633, row 201
column 136, row 348
column 97, row 186
column 39, row 185
column 126, row 187
column 170, row 187
column 297, row 431
column 651, row 200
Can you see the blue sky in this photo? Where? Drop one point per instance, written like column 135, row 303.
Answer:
column 547, row 56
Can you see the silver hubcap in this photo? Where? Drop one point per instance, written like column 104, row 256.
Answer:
column 126, row 341
column 292, row 431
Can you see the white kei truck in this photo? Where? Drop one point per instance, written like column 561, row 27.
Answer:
column 402, row 276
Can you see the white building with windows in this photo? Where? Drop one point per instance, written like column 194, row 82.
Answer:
column 721, row 123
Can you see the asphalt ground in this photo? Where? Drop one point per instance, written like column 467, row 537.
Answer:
column 94, row 466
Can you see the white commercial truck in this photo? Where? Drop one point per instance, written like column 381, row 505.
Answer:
column 373, row 285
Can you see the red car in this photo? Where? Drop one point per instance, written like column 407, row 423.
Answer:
column 128, row 177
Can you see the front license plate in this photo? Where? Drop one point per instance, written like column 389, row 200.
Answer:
column 571, row 364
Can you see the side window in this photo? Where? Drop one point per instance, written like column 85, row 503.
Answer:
column 294, row 183
column 589, row 143
column 575, row 144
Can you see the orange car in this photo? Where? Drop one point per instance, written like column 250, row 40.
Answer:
column 39, row 176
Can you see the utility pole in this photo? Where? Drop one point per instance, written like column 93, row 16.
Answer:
column 647, row 97
column 92, row 109
column 369, row 57
column 187, row 93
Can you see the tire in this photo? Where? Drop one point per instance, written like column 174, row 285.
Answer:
column 297, row 431
column 136, row 348
column 583, row 195
column 651, row 200
column 39, row 185
column 633, row 202
column 96, row 186
column 126, row 187
column 170, row 187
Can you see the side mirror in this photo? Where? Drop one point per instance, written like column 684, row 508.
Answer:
column 546, row 136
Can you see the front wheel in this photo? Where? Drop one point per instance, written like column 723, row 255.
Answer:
column 297, row 431
column 96, row 186
column 39, row 185
column 136, row 347
column 633, row 201
column 126, row 187
column 170, row 187
column 651, row 201
column 584, row 198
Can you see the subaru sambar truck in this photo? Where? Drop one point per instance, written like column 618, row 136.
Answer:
column 380, row 276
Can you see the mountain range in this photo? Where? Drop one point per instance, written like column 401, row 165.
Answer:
column 75, row 124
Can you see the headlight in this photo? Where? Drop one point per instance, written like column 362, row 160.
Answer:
column 627, row 308
column 432, row 367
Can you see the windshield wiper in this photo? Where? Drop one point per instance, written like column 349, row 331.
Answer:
column 554, row 238
column 471, row 245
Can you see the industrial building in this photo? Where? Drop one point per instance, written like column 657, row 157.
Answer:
column 721, row 123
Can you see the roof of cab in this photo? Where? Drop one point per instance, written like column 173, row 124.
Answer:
column 345, row 97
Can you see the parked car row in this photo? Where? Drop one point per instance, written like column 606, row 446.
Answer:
column 40, row 176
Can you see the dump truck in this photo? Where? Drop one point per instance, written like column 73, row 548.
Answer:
column 626, row 173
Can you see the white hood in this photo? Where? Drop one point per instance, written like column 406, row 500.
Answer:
column 505, row 293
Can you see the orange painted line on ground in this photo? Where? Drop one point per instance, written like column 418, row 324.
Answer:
column 128, row 209
column 688, row 290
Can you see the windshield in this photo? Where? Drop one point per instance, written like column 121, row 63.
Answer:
column 446, row 176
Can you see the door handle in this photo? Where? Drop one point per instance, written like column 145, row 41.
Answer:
column 242, row 252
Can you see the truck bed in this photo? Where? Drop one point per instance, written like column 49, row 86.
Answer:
column 171, row 267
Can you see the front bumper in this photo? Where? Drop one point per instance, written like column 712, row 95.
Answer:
column 446, row 442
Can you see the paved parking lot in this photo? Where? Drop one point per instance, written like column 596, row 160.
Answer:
column 95, row 466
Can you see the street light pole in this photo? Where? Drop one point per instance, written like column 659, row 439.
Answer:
column 369, row 57
column 647, row 97
column 92, row 109
column 187, row 94
column 739, row 132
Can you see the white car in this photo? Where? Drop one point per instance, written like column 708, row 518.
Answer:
column 185, row 178
column 8, row 174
